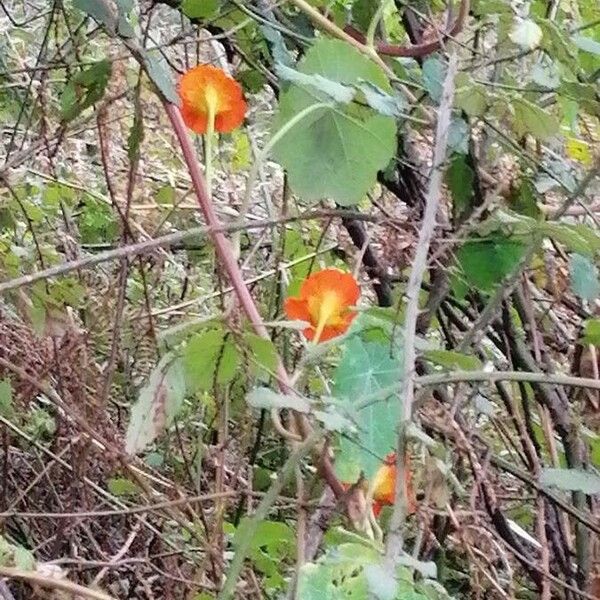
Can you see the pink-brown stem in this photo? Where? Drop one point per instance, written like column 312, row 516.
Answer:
column 222, row 244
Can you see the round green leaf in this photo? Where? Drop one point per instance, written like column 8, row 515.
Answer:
column 336, row 151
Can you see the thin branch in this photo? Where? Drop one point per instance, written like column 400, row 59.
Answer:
column 285, row 474
column 172, row 238
column 494, row 376
column 64, row 585
column 395, row 538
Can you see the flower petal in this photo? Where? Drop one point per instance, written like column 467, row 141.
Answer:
column 205, row 82
column 296, row 308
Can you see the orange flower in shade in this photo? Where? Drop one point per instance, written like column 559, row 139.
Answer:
column 206, row 90
column 384, row 485
column 325, row 301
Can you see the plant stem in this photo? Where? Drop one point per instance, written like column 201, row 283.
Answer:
column 243, row 545
column 208, row 148
column 373, row 23
column 395, row 540
column 277, row 136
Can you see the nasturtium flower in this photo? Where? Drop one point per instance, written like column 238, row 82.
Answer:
column 325, row 302
column 206, row 90
column 383, row 487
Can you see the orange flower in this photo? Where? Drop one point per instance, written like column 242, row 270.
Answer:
column 384, row 485
column 325, row 300
column 205, row 91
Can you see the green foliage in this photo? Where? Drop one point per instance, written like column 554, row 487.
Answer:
column 591, row 332
column 365, row 369
column 334, row 151
column 531, row 118
column 7, row 409
column 200, row 9
column 96, row 221
column 584, row 277
column 122, row 487
column 210, row 357
column 84, row 89
column 356, row 571
column 485, row 262
column 434, row 72
column 460, row 178
column 158, row 72
column 571, row 480
column 15, row 555
column 272, row 544
column 453, row 360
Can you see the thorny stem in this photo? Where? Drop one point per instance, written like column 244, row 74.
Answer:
column 395, row 538
column 222, row 245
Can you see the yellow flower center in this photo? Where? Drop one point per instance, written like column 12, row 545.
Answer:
column 206, row 99
column 324, row 310
column 212, row 100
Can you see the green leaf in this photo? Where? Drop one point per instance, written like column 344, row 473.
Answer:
column 334, row 90
column 84, row 89
column 158, row 71
column 365, row 369
column 557, row 44
column 434, row 73
column 533, row 119
column 241, row 150
column 574, row 480
column 587, row 44
column 262, row 397
column 488, row 261
column 382, row 584
column 579, row 238
column 228, row 362
column 263, row 351
column 124, row 26
column 136, row 135
column 459, row 178
column 470, row 96
column 7, row 409
column 101, row 11
column 584, row 277
column 206, row 352
column 336, row 151
column 384, row 103
column 96, row 221
column 591, row 333
column 120, row 486
column 458, row 136
column 272, row 543
column 527, row 34
column 200, row 9
column 453, row 360
column 339, row 575
column 157, row 404
column 23, row 558
column 279, row 50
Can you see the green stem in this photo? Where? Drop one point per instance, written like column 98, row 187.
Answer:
column 208, row 148
column 277, row 136
column 370, row 37
column 243, row 545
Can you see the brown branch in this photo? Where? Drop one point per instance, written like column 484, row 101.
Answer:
column 417, row 50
